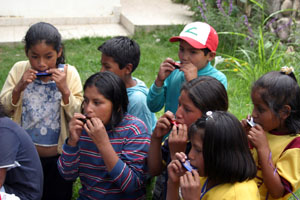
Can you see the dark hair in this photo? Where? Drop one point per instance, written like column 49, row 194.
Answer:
column 123, row 50
column 112, row 88
column 206, row 51
column 277, row 89
column 207, row 93
column 43, row 31
column 227, row 158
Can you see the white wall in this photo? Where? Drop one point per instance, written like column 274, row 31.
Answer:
column 57, row 8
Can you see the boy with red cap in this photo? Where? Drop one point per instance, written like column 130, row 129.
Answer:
column 198, row 43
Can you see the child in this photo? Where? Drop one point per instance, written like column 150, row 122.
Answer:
column 198, row 43
column 276, row 138
column 108, row 151
column 21, row 171
column 121, row 55
column 43, row 105
column 223, row 160
column 197, row 96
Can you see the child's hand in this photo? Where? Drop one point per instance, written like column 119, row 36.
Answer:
column 190, row 71
column 96, row 130
column 75, row 128
column 60, row 78
column 175, row 170
column 190, row 185
column 27, row 78
column 178, row 139
column 163, row 125
column 165, row 70
column 258, row 138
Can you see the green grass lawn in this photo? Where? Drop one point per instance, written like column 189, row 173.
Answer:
column 155, row 48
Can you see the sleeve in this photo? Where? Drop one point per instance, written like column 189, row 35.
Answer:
column 68, row 162
column 76, row 97
column 139, row 109
column 288, row 166
column 156, row 98
column 130, row 171
column 8, row 154
column 13, row 77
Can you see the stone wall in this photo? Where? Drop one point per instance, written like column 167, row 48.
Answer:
column 282, row 22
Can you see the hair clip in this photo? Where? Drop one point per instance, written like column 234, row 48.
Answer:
column 209, row 115
column 287, row 70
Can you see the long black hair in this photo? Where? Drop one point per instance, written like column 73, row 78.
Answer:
column 46, row 32
column 112, row 88
column 278, row 89
column 227, row 158
column 207, row 93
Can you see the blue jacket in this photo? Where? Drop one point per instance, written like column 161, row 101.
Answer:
column 137, row 97
column 168, row 94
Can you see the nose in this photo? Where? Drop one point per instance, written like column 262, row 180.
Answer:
column 42, row 62
column 191, row 155
column 178, row 113
column 88, row 108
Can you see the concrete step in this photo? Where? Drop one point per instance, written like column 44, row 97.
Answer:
column 131, row 16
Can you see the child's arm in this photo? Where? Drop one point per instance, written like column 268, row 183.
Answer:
column 27, row 78
column 178, row 139
column 75, row 97
column 2, row 176
column 70, row 153
column 163, row 126
column 271, row 179
column 128, row 169
column 156, row 95
column 175, row 171
column 60, row 78
column 190, row 185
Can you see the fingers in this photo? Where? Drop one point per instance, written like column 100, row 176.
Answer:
column 180, row 156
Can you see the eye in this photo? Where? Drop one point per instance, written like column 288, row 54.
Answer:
column 34, row 56
column 49, row 57
column 186, row 109
column 97, row 103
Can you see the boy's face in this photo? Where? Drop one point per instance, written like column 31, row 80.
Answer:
column 108, row 64
column 188, row 54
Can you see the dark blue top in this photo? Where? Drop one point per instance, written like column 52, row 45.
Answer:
column 24, row 175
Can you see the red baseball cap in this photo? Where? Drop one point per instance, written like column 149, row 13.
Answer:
column 199, row 35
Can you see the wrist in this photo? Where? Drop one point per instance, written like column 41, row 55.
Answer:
column 71, row 143
column 158, row 83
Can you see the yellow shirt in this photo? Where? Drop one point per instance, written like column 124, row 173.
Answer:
column 287, row 163
column 66, row 111
column 246, row 190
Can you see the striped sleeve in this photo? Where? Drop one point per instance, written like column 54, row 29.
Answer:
column 130, row 171
column 68, row 162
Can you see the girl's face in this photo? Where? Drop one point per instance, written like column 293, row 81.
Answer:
column 195, row 155
column 42, row 56
column 262, row 114
column 96, row 105
column 187, row 112
column 188, row 54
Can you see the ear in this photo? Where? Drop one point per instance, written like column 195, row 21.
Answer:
column 59, row 52
column 211, row 55
column 285, row 112
column 128, row 68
